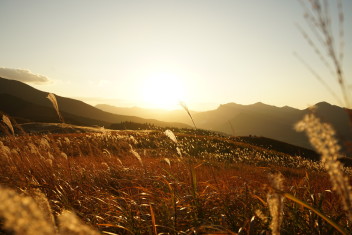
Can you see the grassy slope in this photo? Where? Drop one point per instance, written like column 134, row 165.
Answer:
column 217, row 185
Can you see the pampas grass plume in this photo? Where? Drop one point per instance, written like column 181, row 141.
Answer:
column 322, row 137
column 185, row 107
column 70, row 224
column 136, row 155
column 276, row 202
column 43, row 205
column 171, row 135
column 22, row 215
column 53, row 100
column 8, row 123
column 167, row 161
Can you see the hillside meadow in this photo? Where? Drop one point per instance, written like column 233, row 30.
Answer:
column 159, row 182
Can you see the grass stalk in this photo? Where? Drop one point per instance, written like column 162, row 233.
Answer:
column 324, row 217
column 155, row 231
column 185, row 107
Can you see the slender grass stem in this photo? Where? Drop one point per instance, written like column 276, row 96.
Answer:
column 324, row 217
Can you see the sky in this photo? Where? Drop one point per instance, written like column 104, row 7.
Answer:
column 156, row 53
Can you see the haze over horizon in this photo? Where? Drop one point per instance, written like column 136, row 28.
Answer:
column 153, row 54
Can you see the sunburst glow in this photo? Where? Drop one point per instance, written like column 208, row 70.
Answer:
column 163, row 91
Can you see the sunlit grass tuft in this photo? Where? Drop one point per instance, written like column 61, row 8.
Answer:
column 53, row 100
column 8, row 123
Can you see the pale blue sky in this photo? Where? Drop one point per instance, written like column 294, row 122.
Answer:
column 214, row 51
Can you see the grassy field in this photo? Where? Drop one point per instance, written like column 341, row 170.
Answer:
column 145, row 182
column 98, row 181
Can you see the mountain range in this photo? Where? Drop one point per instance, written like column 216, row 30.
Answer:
column 256, row 119
column 27, row 104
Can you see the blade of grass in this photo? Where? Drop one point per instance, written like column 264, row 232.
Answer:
column 153, row 220
column 184, row 106
column 328, row 220
column 115, row 226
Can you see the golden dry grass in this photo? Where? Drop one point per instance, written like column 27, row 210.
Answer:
column 217, row 185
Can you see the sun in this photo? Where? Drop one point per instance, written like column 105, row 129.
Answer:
column 162, row 91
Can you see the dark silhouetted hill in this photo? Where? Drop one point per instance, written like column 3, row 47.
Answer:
column 258, row 119
column 273, row 122
column 75, row 111
column 23, row 111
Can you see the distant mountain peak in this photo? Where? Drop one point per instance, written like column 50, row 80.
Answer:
column 288, row 108
column 261, row 105
column 227, row 105
column 323, row 104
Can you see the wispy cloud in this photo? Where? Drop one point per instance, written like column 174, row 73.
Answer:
column 23, row 75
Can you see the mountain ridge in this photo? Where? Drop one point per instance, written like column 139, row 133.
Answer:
column 30, row 104
column 77, row 108
column 260, row 119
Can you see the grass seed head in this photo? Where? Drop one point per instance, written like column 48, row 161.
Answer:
column 70, row 224
column 53, row 100
column 43, row 205
column 136, row 155
column 276, row 202
column 167, row 161
column 22, row 215
column 8, row 123
column 322, row 137
column 171, row 135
